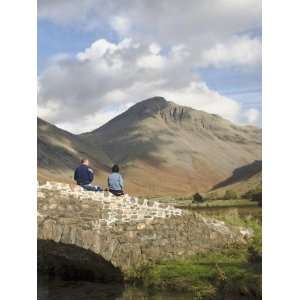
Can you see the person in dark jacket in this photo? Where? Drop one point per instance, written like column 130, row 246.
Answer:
column 115, row 182
column 84, row 175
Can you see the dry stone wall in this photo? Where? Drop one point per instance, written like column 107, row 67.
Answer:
column 124, row 231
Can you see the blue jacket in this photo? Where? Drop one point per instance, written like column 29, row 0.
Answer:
column 115, row 182
column 83, row 175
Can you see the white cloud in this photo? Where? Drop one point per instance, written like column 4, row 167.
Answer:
column 193, row 22
column 151, row 62
column 120, row 24
column 168, row 41
column 154, row 48
column 251, row 116
column 101, row 47
column 239, row 50
column 199, row 96
column 64, row 12
column 87, row 123
column 82, row 92
column 49, row 110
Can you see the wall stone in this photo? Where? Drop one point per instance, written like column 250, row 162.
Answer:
column 125, row 231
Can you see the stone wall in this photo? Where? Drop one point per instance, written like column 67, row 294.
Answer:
column 124, row 231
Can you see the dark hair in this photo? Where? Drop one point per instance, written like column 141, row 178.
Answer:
column 83, row 160
column 115, row 169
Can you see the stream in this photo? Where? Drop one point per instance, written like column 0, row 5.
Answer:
column 57, row 289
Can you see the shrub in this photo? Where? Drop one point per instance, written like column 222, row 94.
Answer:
column 212, row 196
column 254, row 195
column 230, row 194
column 197, row 198
column 257, row 197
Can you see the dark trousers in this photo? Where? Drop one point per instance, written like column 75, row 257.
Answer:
column 90, row 187
column 117, row 193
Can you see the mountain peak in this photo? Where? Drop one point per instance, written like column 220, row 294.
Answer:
column 151, row 105
column 167, row 111
column 158, row 105
column 171, row 112
column 155, row 100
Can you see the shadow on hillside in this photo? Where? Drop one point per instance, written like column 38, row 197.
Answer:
column 54, row 157
column 242, row 173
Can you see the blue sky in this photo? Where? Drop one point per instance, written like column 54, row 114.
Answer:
column 95, row 59
column 55, row 39
column 241, row 86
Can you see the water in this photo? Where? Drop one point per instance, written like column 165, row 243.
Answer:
column 56, row 289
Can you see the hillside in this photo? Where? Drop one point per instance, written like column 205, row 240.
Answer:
column 59, row 153
column 164, row 148
column 242, row 179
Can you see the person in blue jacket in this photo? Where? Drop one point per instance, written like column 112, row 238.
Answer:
column 115, row 182
column 84, row 175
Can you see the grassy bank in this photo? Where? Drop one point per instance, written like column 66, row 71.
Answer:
column 219, row 203
column 231, row 273
column 187, row 202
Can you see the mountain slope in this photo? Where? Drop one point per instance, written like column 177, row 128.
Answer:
column 164, row 148
column 59, row 153
column 242, row 179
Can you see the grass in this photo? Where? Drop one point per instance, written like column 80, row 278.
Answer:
column 233, row 271
column 187, row 202
column 223, row 203
column 234, row 202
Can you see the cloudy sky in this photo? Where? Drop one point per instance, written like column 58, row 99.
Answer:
column 96, row 58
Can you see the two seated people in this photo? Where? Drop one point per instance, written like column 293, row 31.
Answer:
column 84, row 176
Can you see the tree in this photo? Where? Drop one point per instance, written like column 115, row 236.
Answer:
column 197, row 198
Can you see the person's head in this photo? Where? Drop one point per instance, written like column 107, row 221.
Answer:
column 115, row 169
column 84, row 161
